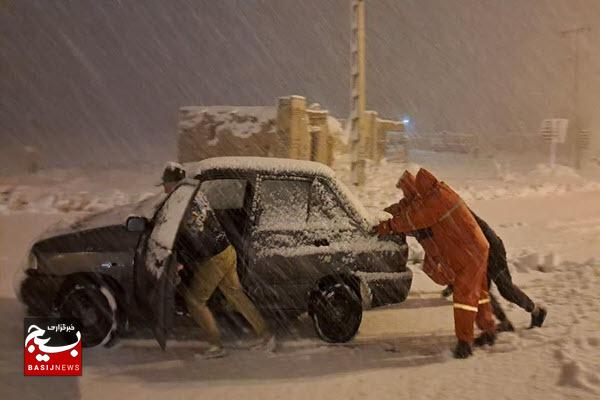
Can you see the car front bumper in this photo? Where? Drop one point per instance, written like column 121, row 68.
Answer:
column 39, row 292
column 383, row 288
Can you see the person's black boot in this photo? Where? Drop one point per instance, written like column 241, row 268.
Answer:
column 505, row 326
column 486, row 338
column 538, row 315
column 462, row 350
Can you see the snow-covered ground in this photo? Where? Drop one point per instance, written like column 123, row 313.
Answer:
column 549, row 221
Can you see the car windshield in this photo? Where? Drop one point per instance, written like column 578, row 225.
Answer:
column 355, row 203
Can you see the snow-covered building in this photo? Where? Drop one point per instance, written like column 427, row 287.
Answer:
column 288, row 130
column 225, row 130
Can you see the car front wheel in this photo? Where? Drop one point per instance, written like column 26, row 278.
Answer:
column 336, row 311
column 95, row 306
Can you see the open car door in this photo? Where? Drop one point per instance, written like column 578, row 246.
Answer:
column 156, row 269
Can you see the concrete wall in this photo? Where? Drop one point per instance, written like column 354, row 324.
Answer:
column 292, row 128
column 381, row 141
column 322, row 142
column 289, row 130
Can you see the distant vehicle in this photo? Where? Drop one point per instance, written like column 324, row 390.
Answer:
column 303, row 241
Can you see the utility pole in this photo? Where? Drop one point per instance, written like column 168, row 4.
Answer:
column 582, row 135
column 358, row 97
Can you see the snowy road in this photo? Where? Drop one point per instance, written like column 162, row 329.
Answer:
column 400, row 352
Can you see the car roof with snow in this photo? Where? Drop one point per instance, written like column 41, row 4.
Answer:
column 277, row 166
column 259, row 164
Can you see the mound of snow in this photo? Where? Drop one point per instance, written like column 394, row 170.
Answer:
column 556, row 173
column 56, row 200
column 574, row 374
column 527, row 261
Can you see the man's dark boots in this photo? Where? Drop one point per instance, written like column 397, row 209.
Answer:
column 505, row 326
column 462, row 350
column 486, row 338
column 538, row 315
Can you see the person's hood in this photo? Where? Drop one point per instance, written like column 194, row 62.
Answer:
column 425, row 182
column 407, row 183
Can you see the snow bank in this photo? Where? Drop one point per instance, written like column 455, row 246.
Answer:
column 33, row 199
column 541, row 181
column 527, row 260
column 556, row 173
column 472, row 178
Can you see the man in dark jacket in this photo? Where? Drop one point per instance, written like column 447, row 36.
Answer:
column 205, row 253
column 499, row 273
column 497, row 269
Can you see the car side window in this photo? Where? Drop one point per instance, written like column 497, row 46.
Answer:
column 225, row 194
column 283, row 204
column 324, row 208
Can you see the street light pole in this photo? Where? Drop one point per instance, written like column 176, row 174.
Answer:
column 358, row 96
column 581, row 134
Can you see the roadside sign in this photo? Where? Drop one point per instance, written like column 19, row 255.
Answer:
column 554, row 130
column 583, row 139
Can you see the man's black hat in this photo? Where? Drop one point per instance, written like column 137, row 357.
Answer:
column 173, row 172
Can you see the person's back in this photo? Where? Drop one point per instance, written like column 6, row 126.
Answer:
column 201, row 235
column 493, row 239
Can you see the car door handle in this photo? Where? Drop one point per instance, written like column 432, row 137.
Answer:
column 321, row 242
column 108, row 265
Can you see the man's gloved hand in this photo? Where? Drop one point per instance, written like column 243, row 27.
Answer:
column 462, row 350
column 383, row 229
column 447, row 292
column 393, row 209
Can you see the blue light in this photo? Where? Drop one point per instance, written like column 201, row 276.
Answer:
column 406, row 121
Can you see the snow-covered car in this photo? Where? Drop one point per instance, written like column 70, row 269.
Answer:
column 304, row 244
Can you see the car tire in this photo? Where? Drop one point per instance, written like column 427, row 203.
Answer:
column 95, row 306
column 336, row 311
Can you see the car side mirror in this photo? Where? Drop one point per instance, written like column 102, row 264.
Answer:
column 136, row 224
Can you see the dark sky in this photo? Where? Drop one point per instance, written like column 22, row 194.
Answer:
column 101, row 80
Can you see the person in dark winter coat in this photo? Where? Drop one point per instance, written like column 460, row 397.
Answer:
column 499, row 273
column 208, row 258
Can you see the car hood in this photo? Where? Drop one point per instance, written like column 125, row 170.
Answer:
column 111, row 217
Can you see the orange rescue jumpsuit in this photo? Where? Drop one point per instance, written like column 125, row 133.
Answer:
column 432, row 264
column 456, row 249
